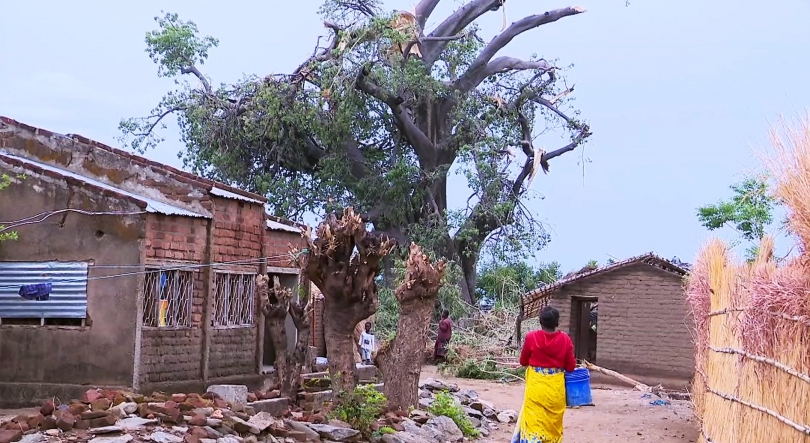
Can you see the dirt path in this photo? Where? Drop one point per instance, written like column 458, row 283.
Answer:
column 620, row 415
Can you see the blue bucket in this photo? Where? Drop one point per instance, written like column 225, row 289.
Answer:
column 578, row 388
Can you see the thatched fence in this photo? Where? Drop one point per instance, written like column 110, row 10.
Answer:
column 752, row 381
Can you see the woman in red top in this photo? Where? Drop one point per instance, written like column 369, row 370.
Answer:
column 547, row 354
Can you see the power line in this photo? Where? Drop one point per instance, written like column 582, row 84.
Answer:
column 42, row 216
column 162, row 269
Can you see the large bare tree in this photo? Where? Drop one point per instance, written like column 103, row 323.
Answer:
column 378, row 117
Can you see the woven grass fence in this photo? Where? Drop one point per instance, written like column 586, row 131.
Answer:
column 752, row 381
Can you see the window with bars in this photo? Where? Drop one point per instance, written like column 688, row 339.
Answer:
column 234, row 299
column 167, row 298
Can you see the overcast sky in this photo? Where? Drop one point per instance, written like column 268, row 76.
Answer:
column 679, row 94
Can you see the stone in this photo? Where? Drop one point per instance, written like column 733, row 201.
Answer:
column 335, row 433
column 179, row 398
column 164, row 437
column 437, row 385
column 275, row 406
column 473, row 412
column 65, row 421
column 208, row 440
column 77, row 408
column 198, row 420
column 213, row 422
column 203, row 411
column 106, row 430
column 47, row 408
column 262, row 421
column 507, row 416
column 480, row 405
column 125, row 438
column 92, row 415
column 213, row 433
column 191, row 438
column 91, row 395
column 443, row 429
column 82, row 424
column 35, row 420
column 122, row 410
column 48, row 423
column 228, row 439
column 10, row 435
column 234, row 394
column 102, row 404
column 107, row 420
column 425, row 403
column 304, row 429
column 402, row 437
column 179, row 429
column 136, row 423
column 34, row 438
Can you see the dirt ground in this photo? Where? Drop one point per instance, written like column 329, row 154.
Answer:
column 619, row 415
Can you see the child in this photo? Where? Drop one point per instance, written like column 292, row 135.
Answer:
column 367, row 344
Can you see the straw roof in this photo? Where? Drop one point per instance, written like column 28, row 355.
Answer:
column 534, row 301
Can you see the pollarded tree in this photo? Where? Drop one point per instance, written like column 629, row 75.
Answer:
column 378, row 118
column 343, row 261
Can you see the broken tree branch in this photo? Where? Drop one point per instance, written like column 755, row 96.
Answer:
column 481, row 63
column 639, row 386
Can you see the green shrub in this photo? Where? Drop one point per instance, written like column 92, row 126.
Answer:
column 446, row 405
column 360, row 408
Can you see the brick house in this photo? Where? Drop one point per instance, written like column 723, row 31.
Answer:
column 152, row 270
column 644, row 327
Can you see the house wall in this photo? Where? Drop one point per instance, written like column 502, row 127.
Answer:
column 645, row 327
column 238, row 236
column 172, row 355
column 44, row 361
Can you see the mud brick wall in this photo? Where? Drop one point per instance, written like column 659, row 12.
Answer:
column 644, row 326
column 175, row 354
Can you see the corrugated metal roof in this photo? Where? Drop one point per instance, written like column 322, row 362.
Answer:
column 153, row 206
column 68, row 298
column 232, row 195
column 276, row 226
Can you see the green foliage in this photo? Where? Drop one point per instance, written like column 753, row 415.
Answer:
column 5, row 233
column 176, row 46
column 505, row 283
column 749, row 211
column 385, row 430
column 445, row 404
column 485, row 369
column 358, row 124
column 360, row 408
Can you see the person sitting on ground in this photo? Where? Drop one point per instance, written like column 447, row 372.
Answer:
column 368, row 344
column 443, row 339
column 546, row 353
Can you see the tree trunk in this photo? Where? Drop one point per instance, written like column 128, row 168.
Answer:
column 302, row 318
column 275, row 306
column 343, row 262
column 339, row 335
column 401, row 360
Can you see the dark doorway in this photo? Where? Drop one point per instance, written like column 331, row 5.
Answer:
column 583, row 330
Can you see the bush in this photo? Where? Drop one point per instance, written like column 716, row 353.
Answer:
column 445, row 404
column 482, row 370
column 360, row 408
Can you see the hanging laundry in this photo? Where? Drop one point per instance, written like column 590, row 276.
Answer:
column 36, row 292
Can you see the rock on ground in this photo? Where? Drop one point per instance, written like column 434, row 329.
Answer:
column 234, row 394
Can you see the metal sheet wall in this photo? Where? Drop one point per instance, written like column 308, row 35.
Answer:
column 68, row 299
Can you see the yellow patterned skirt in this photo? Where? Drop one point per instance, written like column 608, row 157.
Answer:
column 541, row 417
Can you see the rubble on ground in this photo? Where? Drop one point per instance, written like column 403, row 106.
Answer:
column 225, row 414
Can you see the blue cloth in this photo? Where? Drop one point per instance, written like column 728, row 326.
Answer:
column 36, row 292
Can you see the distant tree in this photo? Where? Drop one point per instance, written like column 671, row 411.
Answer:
column 504, row 283
column 749, row 211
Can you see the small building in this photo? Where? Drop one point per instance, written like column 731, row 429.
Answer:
column 630, row 316
column 152, row 271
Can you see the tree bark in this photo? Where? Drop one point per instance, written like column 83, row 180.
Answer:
column 343, row 262
column 400, row 361
column 276, row 304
